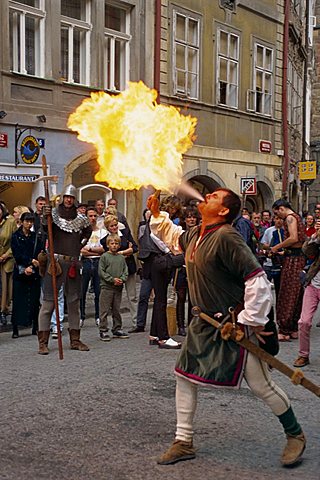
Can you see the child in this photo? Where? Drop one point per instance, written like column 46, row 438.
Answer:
column 113, row 273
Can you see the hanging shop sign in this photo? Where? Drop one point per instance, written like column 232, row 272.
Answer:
column 29, row 149
column 307, row 170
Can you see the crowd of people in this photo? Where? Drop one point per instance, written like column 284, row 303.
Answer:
column 284, row 244
column 192, row 247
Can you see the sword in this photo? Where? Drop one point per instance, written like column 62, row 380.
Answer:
column 229, row 331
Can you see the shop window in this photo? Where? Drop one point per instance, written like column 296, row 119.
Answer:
column 27, row 36
column 75, row 41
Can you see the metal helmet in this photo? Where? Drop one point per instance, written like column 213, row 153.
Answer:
column 71, row 191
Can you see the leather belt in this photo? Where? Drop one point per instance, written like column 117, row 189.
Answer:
column 67, row 258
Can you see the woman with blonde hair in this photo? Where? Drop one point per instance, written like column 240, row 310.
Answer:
column 18, row 211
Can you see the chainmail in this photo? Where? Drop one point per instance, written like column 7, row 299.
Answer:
column 74, row 225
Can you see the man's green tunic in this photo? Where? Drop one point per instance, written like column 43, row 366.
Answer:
column 217, row 267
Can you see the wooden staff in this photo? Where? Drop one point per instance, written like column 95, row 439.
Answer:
column 228, row 331
column 51, row 250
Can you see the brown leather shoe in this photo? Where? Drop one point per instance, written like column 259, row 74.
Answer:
column 294, row 449
column 301, row 362
column 178, row 451
column 75, row 342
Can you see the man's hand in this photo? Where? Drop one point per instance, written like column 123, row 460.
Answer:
column 117, row 281
column 274, row 249
column 153, row 205
column 46, row 210
column 259, row 333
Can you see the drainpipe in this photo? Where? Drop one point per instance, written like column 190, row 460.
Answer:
column 157, row 46
column 284, row 101
column 305, row 188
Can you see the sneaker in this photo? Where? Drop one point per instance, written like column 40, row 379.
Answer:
column 301, row 362
column 178, row 451
column 97, row 322
column 81, row 322
column 54, row 335
column 120, row 334
column 136, row 330
column 105, row 337
column 294, row 449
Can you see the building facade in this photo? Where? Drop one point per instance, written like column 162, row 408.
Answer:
column 54, row 53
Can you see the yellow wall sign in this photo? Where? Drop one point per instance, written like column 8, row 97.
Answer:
column 307, row 170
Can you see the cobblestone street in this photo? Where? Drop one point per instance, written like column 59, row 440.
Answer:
column 109, row 413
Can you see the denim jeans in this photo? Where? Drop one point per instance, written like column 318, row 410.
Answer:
column 145, row 291
column 90, row 271
column 53, row 323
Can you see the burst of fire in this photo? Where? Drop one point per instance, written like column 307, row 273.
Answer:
column 139, row 142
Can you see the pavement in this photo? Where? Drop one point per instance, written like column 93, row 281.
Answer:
column 109, row 413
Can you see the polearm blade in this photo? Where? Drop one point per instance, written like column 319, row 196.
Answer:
column 229, row 332
column 51, row 250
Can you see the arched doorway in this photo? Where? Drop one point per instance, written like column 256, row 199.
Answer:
column 265, row 196
column 93, row 191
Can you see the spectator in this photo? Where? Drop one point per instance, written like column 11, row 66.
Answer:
column 18, row 211
column 91, row 254
column 112, row 202
column 191, row 219
column 82, row 208
column 272, row 263
column 26, row 246
column 113, row 273
column 246, row 230
column 53, row 323
column 8, row 226
column 317, row 213
column 40, row 203
column 266, row 219
column 100, row 206
column 311, row 298
column 310, row 228
column 127, row 248
column 291, row 290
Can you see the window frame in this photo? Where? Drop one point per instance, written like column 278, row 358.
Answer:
column 255, row 96
column 114, row 36
column 184, row 92
column 84, row 57
column 220, row 56
column 294, row 96
column 22, row 10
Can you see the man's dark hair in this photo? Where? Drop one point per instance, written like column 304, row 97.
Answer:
column 40, row 198
column 27, row 216
column 281, row 203
column 232, row 202
column 266, row 211
column 5, row 211
column 100, row 200
column 91, row 208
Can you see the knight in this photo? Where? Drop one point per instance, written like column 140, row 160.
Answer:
column 71, row 231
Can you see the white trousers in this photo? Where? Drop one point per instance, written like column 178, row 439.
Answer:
column 259, row 380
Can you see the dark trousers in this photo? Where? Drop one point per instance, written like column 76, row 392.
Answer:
column 160, row 282
column 143, row 303
column 90, row 271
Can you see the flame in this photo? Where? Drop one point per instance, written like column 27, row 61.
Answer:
column 139, row 142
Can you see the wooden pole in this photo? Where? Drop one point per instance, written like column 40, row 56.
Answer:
column 52, row 259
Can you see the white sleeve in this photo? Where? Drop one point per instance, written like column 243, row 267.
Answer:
column 163, row 228
column 257, row 301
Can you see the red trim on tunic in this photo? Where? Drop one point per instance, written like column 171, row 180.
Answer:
column 253, row 274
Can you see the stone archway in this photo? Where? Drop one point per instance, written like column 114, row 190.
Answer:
column 265, row 195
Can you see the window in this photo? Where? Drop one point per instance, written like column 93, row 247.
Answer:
column 186, row 53
column 117, row 47
column 260, row 97
column 294, row 95
column 27, row 36
column 75, row 41
column 227, row 68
